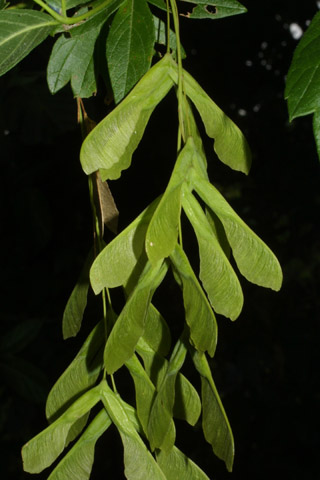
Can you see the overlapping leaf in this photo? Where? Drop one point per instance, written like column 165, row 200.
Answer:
column 138, row 461
column 42, row 450
column 187, row 405
column 199, row 314
column 81, row 374
column 109, row 147
column 115, row 264
column 217, row 275
column 77, row 463
column 130, row 324
column 162, row 232
column 229, row 143
column 176, row 464
column 215, row 424
column 77, row 302
column 162, row 408
column 214, row 9
column 72, row 57
column 254, row 259
column 20, row 32
column 129, row 47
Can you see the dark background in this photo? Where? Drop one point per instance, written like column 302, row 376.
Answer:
column 267, row 362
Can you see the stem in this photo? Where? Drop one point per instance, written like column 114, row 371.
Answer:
column 72, row 20
column 180, row 69
column 168, row 26
column 63, row 8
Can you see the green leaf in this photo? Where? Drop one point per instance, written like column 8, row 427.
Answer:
column 254, row 259
column 77, row 302
column 162, row 233
column 81, row 374
column 71, row 58
column 217, row 276
column 43, row 449
column 138, row 461
column 129, row 47
column 302, row 84
column 176, row 465
column 187, row 404
column 162, row 408
column 156, row 332
column 229, row 143
column 144, row 388
column 199, row 314
column 215, row 9
column 215, row 424
column 20, row 32
column 111, row 143
column 116, row 263
column 130, row 324
column 77, row 463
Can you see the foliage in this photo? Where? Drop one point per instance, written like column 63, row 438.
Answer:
column 302, row 85
column 138, row 259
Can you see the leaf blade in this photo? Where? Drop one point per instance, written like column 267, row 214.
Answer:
column 110, row 145
column 44, row 448
column 217, row 276
column 254, row 259
column 215, row 424
column 130, row 324
column 77, row 463
column 129, row 47
column 199, row 315
column 20, row 32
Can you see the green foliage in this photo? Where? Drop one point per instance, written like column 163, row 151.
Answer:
column 20, row 32
column 302, row 84
column 135, row 336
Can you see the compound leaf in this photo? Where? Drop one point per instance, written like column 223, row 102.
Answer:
column 215, row 424
column 77, row 463
column 199, row 315
column 20, row 32
column 130, row 324
column 217, row 276
column 110, row 145
column 43, row 449
column 71, row 57
column 176, row 464
column 254, row 259
column 129, row 47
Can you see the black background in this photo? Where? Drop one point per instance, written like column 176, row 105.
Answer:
column 266, row 365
